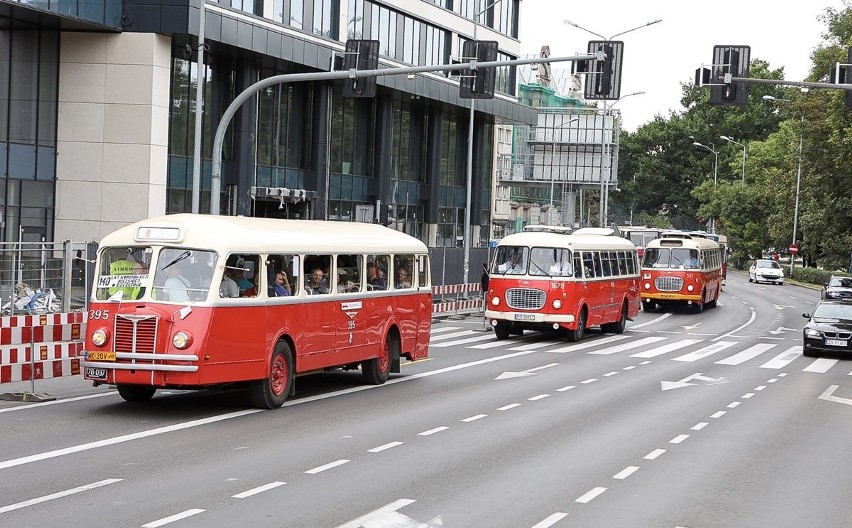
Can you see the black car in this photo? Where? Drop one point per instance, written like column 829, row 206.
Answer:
column 837, row 288
column 829, row 328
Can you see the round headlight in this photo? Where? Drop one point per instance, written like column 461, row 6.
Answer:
column 690, row 288
column 495, row 300
column 647, row 285
column 181, row 340
column 99, row 337
column 557, row 304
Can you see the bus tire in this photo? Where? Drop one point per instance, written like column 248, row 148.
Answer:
column 136, row 393
column 578, row 333
column 271, row 392
column 699, row 306
column 618, row 326
column 501, row 330
column 377, row 370
column 649, row 306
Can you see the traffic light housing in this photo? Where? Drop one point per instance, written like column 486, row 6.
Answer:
column 729, row 62
column 479, row 83
column 842, row 74
column 603, row 80
column 361, row 55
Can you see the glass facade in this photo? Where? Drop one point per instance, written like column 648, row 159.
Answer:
column 402, row 37
column 104, row 12
column 312, row 16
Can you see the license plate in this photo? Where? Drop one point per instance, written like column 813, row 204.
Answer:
column 96, row 373
column 100, row 356
column 524, row 317
column 835, row 342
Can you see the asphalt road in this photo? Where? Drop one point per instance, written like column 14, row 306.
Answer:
column 685, row 420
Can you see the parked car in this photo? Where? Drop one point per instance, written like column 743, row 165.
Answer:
column 766, row 270
column 837, row 288
column 829, row 328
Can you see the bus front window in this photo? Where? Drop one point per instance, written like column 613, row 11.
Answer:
column 183, row 275
column 656, row 258
column 511, row 260
column 124, row 273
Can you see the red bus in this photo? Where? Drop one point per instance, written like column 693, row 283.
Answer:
column 681, row 268
column 563, row 282
column 640, row 236
column 196, row 301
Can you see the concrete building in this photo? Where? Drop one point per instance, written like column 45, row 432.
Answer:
column 98, row 109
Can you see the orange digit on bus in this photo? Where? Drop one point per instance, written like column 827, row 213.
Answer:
column 681, row 268
column 196, row 301
column 563, row 282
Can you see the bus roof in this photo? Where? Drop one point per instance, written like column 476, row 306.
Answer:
column 265, row 235
column 682, row 241
column 573, row 241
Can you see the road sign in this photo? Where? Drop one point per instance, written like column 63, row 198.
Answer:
column 793, row 249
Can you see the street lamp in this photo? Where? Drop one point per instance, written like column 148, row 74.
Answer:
column 651, row 23
column 798, row 175
column 726, row 138
column 469, row 182
column 711, row 148
column 553, row 157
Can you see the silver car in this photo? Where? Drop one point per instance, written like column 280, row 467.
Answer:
column 766, row 270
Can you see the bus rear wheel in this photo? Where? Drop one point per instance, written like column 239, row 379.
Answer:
column 377, row 370
column 578, row 333
column 136, row 393
column 271, row 392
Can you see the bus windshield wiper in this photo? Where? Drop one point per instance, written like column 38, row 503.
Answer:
column 177, row 259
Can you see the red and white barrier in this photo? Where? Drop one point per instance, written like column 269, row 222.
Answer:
column 467, row 304
column 40, row 346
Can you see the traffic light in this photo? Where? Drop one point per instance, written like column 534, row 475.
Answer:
column 603, row 80
column 361, row 55
column 702, row 76
column 479, row 83
column 730, row 62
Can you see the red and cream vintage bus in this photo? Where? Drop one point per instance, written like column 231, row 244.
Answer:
column 196, row 301
column 563, row 282
column 641, row 236
column 681, row 268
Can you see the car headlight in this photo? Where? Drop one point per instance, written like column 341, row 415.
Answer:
column 495, row 300
column 99, row 337
column 181, row 340
column 810, row 332
column 557, row 304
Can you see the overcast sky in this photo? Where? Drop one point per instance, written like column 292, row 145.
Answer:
column 657, row 58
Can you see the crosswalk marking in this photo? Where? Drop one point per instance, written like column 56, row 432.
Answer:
column 627, row 346
column 441, row 329
column 531, row 346
column 449, row 335
column 747, row 354
column 588, row 344
column 660, row 350
column 706, row 351
column 473, row 339
column 820, row 365
column 783, row 359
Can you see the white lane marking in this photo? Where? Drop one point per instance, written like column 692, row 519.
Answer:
column 678, row 439
column 478, row 337
column 551, row 520
column 433, row 431
column 378, row 514
column 760, row 388
column 702, row 353
column 590, row 380
column 531, row 346
column 718, row 414
column 699, row 426
column 474, row 418
column 654, row 352
column 590, row 495
column 442, row 329
column 588, row 344
column 737, row 329
column 747, row 354
column 827, row 395
column 384, row 446
column 654, row 454
column 442, row 337
column 566, row 388
column 772, row 380
column 507, row 407
column 629, row 367
column 747, row 395
column 644, row 362
column 628, row 346
column 57, row 402
column 172, row 518
column 733, row 404
column 539, row 397
column 325, row 467
column 820, row 365
column 57, row 495
column 783, row 359
column 259, row 489
column 652, row 321
column 608, row 374
column 781, row 375
column 626, row 472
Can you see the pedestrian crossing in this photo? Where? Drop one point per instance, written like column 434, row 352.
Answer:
column 772, row 355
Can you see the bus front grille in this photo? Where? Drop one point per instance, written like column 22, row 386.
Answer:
column 135, row 333
column 668, row 283
column 525, row 298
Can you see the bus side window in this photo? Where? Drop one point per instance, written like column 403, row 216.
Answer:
column 348, row 273
column 589, row 264
column 422, row 270
column 316, row 272
column 288, row 281
column 578, row 265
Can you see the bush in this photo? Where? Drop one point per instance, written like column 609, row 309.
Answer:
column 814, row 275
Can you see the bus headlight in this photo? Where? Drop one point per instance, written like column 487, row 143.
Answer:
column 690, row 288
column 495, row 300
column 557, row 304
column 182, row 340
column 99, row 337
column 647, row 285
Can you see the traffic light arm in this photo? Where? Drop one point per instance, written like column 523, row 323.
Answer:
column 801, row 84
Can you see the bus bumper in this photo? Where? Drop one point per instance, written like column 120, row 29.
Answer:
column 662, row 297
column 525, row 317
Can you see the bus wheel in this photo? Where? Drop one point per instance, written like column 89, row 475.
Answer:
column 501, row 330
column 649, row 306
column 577, row 334
column 699, row 306
column 136, row 393
column 270, row 393
column 618, row 326
column 377, row 370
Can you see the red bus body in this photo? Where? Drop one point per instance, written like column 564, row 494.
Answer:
column 237, row 340
column 683, row 269
column 539, row 297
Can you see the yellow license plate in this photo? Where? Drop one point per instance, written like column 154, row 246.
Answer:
column 101, row 356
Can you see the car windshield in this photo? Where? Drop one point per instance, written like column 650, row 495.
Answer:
column 768, row 264
column 840, row 282
column 833, row 311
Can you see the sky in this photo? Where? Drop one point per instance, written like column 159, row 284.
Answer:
column 657, row 58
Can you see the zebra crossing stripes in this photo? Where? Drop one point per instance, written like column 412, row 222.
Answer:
column 482, row 336
column 660, row 350
column 706, row 351
column 821, row 365
column 588, row 344
column 627, row 346
column 783, row 359
column 747, row 354
column 450, row 335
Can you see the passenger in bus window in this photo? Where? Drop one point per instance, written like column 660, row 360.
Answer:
column 315, row 284
column 514, row 264
column 403, row 278
column 176, row 287
column 375, row 276
column 282, row 284
column 229, row 288
column 562, row 267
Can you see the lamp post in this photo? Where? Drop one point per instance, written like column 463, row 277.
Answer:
column 469, row 182
column 711, row 148
column 553, row 157
column 798, row 176
column 729, row 140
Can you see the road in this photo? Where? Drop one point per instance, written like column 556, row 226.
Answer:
column 685, row 420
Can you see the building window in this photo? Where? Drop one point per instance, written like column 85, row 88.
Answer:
column 402, row 37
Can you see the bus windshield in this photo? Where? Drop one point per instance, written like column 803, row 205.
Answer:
column 677, row 258
column 511, row 260
column 550, row 261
